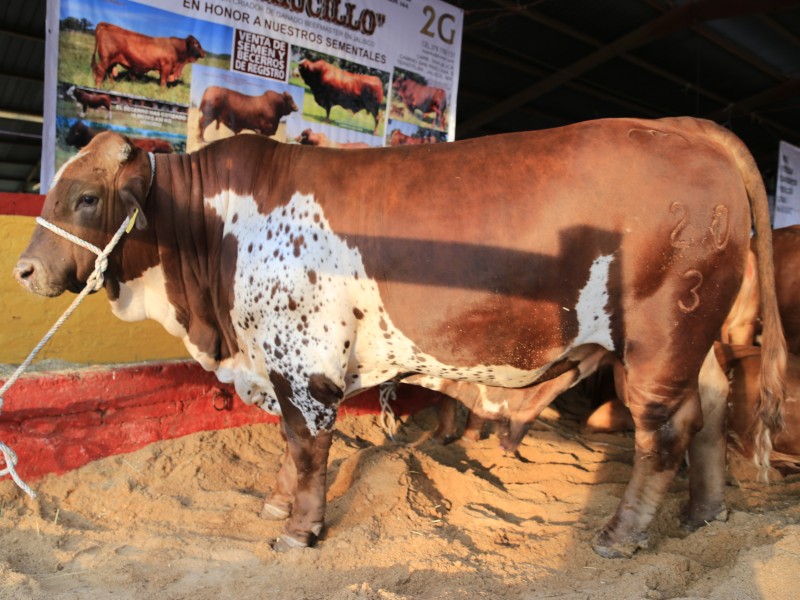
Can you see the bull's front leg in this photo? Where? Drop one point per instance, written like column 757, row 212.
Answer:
column 278, row 505
column 309, row 414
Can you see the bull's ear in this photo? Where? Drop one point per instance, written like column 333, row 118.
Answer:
column 132, row 194
column 124, row 150
column 129, row 197
column 134, row 184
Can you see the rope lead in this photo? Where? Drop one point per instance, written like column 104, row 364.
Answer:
column 93, row 283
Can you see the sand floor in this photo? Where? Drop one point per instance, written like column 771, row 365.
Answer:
column 406, row 519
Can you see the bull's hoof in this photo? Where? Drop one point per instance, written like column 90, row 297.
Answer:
column 692, row 520
column 285, row 542
column 473, row 435
column 445, row 439
column 274, row 512
column 608, row 548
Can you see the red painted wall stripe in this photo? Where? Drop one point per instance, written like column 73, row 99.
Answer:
column 24, row 205
column 61, row 421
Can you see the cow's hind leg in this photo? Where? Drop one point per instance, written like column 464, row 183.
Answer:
column 666, row 415
column 707, row 451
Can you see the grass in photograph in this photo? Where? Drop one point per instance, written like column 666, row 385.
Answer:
column 75, row 66
column 361, row 121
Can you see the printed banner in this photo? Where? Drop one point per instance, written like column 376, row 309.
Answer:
column 787, row 193
column 174, row 75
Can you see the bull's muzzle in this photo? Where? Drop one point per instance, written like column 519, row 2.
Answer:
column 30, row 274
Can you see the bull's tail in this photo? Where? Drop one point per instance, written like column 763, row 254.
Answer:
column 770, row 406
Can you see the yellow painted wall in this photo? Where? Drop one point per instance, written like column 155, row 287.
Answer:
column 91, row 335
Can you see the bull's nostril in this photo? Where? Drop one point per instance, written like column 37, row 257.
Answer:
column 23, row 271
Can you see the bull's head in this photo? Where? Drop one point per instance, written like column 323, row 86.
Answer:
column 194, row 48
column 89, row 198
column 307, row 69
column 289, row 102
column 78, row 135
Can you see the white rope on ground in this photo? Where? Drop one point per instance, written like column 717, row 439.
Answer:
column 387, row 420
column 93, row 283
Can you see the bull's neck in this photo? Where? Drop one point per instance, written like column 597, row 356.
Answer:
column 185, row 238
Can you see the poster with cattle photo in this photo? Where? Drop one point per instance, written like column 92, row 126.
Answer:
column 175, row 75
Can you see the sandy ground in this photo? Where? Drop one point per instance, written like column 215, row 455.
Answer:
column 406, row 519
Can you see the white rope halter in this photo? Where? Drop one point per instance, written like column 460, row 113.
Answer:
column 93, row 283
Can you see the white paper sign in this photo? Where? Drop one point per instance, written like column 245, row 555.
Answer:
column 174, row 75
column 787, row 192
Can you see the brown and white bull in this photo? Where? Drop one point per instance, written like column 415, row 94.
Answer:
column 423, row 98
column 304, row 282
column 140, row 53
column 87, row 100
column 741, row 327
column 238, row 111
column 332, row 86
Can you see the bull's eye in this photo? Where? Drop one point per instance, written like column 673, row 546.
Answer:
column 88, row 200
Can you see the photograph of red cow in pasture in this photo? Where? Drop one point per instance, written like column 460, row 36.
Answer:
column 415, row 102
column 317, row 138
column 339, row 94
column 80, row 134
column 239, row 112
column 398, row 138
column 139, row 54
column 86, row 100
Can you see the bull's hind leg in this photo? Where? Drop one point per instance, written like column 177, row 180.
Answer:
column 707, row 451
column 665, row 415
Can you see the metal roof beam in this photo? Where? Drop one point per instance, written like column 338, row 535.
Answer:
column 677, row 18
column 587, row 39
column 527, row 67
column 16, row 115
column 24, row 36
column 782, row 91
